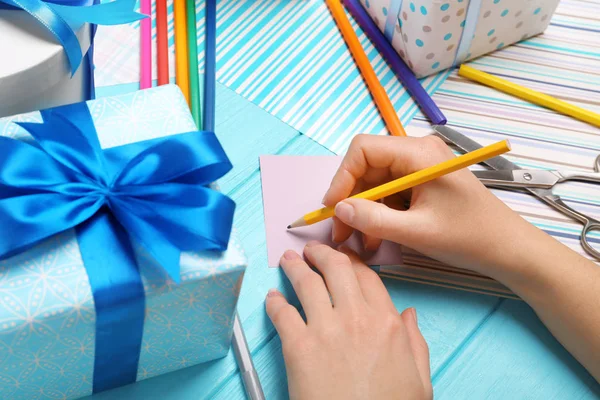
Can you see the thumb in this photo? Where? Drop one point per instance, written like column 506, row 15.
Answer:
column 376, row 219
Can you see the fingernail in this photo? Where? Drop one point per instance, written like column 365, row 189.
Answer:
column 324, row 198
column 273, row 293
column 345, row 212
column 414, row 313
column 312, row 243
column 290, row 255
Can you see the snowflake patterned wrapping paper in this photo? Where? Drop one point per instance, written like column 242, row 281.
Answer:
column 432, row 35
column 47, row 313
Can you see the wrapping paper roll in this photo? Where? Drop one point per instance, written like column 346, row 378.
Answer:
column 34, row 72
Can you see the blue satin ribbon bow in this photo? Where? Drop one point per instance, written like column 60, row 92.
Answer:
column 154, row 193
column 61, row 16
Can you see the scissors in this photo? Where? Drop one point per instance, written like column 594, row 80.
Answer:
column 538, row 183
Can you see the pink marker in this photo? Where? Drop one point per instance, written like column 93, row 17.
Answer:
column 146, row 45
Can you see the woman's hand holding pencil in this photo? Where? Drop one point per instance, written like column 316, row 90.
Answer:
column 407, row 182
column 446, row 217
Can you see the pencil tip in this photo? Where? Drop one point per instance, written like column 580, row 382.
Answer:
column 289, row 227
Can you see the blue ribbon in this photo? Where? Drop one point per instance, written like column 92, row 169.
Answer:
column 462, row 50
column 154, row 193
column 392, row 17
column 61, row 16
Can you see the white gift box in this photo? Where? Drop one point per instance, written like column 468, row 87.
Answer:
column 432, row 35
column 34, row 70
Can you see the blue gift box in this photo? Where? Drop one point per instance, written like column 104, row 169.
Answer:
column 47, row 311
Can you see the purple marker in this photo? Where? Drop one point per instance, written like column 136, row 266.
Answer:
column 404, row 74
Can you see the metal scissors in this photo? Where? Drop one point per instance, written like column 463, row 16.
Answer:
column 539, row 183
column 536, row 178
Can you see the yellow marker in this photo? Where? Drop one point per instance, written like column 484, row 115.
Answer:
column 530, row 95
column 414, row 179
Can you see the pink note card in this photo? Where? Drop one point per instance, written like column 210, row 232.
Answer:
column 293, row 186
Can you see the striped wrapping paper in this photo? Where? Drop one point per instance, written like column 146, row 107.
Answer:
column 286, row 56
column 564, row 62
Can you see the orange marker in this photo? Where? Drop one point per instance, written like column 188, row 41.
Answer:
column 181, row 51
column 386, row 109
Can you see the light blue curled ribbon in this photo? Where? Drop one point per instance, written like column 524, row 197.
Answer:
column 392, row 16
column 60, row 16
column 462, row 50
column 155, row 193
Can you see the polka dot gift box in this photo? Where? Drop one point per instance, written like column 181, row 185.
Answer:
column 433, row 35
column 55, row 341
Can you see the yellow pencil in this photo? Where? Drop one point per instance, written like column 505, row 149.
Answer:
column 530, row 95
column 414, row 179
column 181, row 51
column 382, row 101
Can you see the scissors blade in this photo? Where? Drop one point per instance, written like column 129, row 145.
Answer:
column 498, row 163
column 544, row 195
column 518, row 178
column 498, row 177
column 467, row 145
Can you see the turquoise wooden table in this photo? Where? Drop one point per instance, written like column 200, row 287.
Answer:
column 481, row 346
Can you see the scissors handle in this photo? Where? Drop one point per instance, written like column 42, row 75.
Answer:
column 585, row 242
column 589, row 225
column 579, row 176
